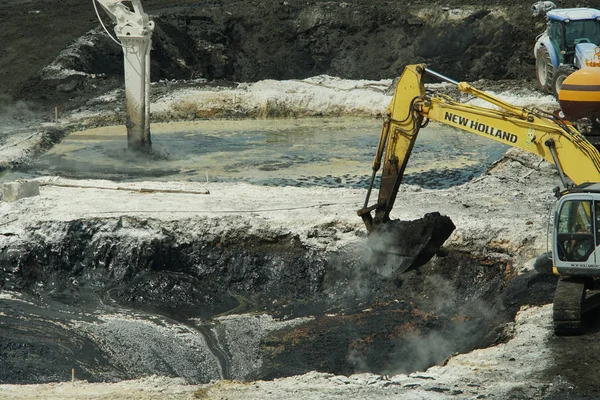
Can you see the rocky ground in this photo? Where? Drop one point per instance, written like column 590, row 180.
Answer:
column 243, row 291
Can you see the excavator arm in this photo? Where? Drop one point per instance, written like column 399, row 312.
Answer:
column 540, row 133
column 576, row 233
column 398, row 136
column 134, row 31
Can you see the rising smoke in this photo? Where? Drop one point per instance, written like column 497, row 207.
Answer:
column 11, row 109
column 452, row 306
column 14, row 115
column 470, row 323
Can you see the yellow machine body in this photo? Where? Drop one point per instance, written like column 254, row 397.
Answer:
column 579, row 96
column 576, row 233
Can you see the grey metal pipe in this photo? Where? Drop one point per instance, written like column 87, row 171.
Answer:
column 550, row 144
column 440, row 76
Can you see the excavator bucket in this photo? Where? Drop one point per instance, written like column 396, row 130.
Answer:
column 398, row 246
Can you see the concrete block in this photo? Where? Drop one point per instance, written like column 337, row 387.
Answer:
column 14, row 191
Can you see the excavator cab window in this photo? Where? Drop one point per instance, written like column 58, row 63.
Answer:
column 576, row 231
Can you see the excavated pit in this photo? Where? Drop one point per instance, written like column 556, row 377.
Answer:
column 121, row 298
column 208, row 297
column 204, row 299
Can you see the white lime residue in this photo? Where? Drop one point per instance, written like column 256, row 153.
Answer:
column 244, row 349
column 321, row 95
column 162, row 345
column 523, row 98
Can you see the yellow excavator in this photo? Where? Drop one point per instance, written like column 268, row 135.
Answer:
column 575, row 255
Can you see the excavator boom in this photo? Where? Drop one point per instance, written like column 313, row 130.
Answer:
column 576, row 234
column 543, row 134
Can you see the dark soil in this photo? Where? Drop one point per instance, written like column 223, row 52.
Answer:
column 189, row 269
column 175, row 274
column 258, row 39
column 455, row 302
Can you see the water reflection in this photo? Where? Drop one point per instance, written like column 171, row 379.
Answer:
column 335, row 152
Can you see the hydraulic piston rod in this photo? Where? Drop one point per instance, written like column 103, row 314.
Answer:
column 134, row 31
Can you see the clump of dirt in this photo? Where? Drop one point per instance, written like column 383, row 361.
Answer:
column 409, row 244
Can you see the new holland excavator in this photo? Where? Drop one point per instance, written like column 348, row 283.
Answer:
column 575, row 252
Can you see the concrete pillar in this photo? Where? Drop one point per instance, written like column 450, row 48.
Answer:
column 14, row 191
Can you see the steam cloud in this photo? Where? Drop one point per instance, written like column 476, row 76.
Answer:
column 461, row 321
column 9, row 109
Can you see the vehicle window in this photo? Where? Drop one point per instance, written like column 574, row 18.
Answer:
column 555, row 33
column 575, row 231
column 589, row 29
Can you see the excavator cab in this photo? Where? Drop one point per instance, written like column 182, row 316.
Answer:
column 577, row 233
column 576, row 244
column 576, row 257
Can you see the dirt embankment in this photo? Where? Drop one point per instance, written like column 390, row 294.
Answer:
column 253, row 40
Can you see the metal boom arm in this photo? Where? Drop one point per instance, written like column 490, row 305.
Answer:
column 134, row 30
column 555, row 140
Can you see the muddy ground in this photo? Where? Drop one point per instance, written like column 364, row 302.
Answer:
column 178, row 285
column 65, row 273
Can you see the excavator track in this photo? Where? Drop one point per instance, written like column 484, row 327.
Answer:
column 568, row 306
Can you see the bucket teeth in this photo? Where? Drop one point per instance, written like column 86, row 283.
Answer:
column 398, row 246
